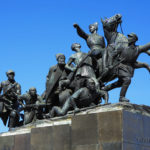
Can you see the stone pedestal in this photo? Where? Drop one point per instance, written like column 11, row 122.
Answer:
column 120, row 126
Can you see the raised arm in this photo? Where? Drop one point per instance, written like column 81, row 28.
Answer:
column 148, row 53
column 144, row 48
column 80, row 32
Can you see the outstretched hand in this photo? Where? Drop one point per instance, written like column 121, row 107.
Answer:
column 75, row 25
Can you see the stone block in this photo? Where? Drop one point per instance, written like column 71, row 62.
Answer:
column 41, row 138
column 136, row 128
column 110, row 126
column 133, row 146
column 84, row 129
column 61, row 137
column 86, row 147
column 22, row 142
column 112, row 146
column 7, row 143
column 51, row 138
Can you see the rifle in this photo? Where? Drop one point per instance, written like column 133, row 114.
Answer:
column 6, row 92
column 9, row 89
column 4, row 100
column 33, row 106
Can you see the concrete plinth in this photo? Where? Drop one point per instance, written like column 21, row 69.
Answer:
column 120, row 126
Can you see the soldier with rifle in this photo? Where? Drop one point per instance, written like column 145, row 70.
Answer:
column 125, row 69
column 83, row 68
column 8, row 100
column 31, row 109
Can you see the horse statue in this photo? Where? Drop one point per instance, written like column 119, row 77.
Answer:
column 115, row 40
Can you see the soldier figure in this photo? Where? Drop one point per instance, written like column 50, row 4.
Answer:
column 83, row 67
column 125, row 70
column 55, row 75
column 84, row 97
column 95, row 42
column 9, row 103
column 31, row 113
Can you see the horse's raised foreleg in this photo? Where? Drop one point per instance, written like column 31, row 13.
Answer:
column 141, row 65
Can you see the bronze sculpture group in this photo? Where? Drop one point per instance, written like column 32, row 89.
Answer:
column 81, row 81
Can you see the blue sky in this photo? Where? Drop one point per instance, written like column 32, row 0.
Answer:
column 33, row 31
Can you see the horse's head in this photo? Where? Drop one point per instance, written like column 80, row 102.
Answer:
column 111, row 24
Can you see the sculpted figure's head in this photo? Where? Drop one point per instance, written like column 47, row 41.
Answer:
column 90, row 84
column 132, row 38
column 10, row 74
column 76, row 47
column 112, row 23
column 32, row 91
column 93, row 27
column 60, row 59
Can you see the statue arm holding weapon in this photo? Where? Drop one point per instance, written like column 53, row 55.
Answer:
column 9, row 89
column 144, row 48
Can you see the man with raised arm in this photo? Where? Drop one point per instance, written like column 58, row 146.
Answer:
column 125, row 70
column 95, row 42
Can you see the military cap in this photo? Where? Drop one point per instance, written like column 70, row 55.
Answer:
column 10, row 72
column 133, row 35
column 58, row 55
column 75, row 45
column 32, row 89
column 94, row 24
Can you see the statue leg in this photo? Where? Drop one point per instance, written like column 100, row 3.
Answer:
column 57, row 111
column 124, row 88
column 29, row 117
column 13, row 119
column 52, row 101
column 4, row 117
column 141, row 65
column 105, row 60
column 63, row 96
